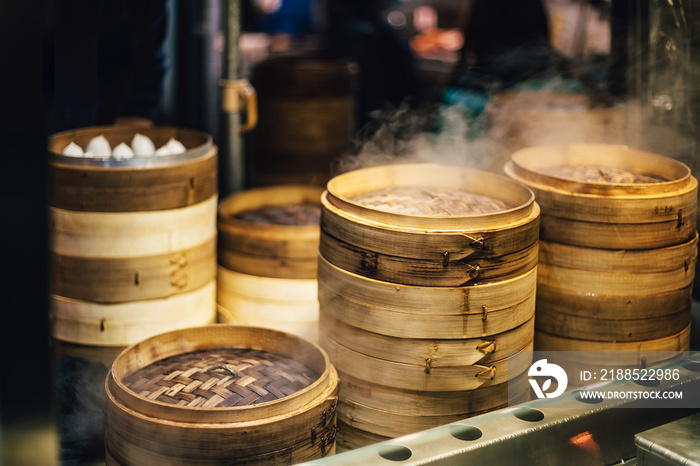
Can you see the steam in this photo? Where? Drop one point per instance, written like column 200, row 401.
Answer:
column 512, row 120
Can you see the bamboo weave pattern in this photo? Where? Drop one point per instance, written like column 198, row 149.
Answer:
column 428, row 202
column 599, row 174
column 221, row 378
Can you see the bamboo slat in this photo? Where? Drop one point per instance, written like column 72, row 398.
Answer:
column 125, row 323
column 613, row 283
column 614, row 330
column 290, row 305
column 655, row 260
column 351, row 438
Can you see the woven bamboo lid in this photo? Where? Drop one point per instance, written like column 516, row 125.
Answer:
column 220, row 373
column 222, row 377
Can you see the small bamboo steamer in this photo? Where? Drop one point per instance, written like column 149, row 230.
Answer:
column 609, row 215
column 297, row 427
column 428, row 250
column 130, row 238
column 265, row 249
column 132, row 185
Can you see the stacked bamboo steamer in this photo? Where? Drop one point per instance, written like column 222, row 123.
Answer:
column 132, row 240
column 618, row 247
column 267, row 255
column 427, row 277
column 221, row 394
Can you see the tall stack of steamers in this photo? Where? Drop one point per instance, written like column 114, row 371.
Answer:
column 427, row 279
column 618, row 247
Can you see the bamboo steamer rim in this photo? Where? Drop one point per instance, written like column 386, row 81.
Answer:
column 532, row 215
column 217, row 336
column 341, row 188
column 527, row 164
column 255, row 198
column 198, row 144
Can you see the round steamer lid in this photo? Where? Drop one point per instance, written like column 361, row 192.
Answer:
column 221, row 378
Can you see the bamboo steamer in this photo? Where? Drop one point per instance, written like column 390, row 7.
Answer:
column 608, row 215
column 618, row 245
column 306, row 118
column 287, row 304
column 132, row 239
column 268, row 246
column 434, row 250
column 584, row 355
column 405, row 311
column 291, row 426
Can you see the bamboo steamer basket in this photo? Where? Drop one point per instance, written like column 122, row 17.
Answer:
column 268, row 262
column 297, row 426
column 263, row 248
column 652, row 289
column 286, row 304
column 405, row 247
column 416, row 312
column 131, row 240
column 584, row 355
column 605, row 215
column 618, row 244
column 306, row 118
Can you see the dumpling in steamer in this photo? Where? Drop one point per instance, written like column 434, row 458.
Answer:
column 123, row 151
column 143, row 146
column 172, row 147
column 99, row 146
column 73, row 150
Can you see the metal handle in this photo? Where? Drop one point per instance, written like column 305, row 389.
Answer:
column 238, row 95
